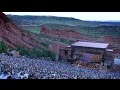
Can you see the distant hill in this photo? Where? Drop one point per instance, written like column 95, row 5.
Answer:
column 38, row 20
column 92, row 28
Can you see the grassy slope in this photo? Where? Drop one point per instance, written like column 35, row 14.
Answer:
column 33, row 29
column 38, row 20
column 88, row 28
column 92, row 31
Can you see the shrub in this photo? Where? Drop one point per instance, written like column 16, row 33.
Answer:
column 47, row 53
column 3, row 47
column 44, row 44
column 36, row 53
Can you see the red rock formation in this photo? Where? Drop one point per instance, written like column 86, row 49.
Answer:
column 106, row 39
column 109, row 39
column 66, row 33
column 13, row 35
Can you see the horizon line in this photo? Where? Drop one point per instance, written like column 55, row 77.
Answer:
column 66, row 17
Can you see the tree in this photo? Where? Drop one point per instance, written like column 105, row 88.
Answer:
column 3, row 47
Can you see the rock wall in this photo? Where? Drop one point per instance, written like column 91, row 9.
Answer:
column 13, row 35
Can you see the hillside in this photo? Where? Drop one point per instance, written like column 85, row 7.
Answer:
column 14, row 36
column 99, row 31
column 38, row 20
column 92, row 28
column 88, row 30
column 94, row 31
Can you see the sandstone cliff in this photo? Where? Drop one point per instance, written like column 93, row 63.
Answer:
column 13, row 35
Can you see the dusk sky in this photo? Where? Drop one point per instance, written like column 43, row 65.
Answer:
column 92, row 16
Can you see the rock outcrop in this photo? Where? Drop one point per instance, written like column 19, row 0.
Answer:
column 13, row 35
column 65, row 33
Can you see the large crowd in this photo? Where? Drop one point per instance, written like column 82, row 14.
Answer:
column 44, row 68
